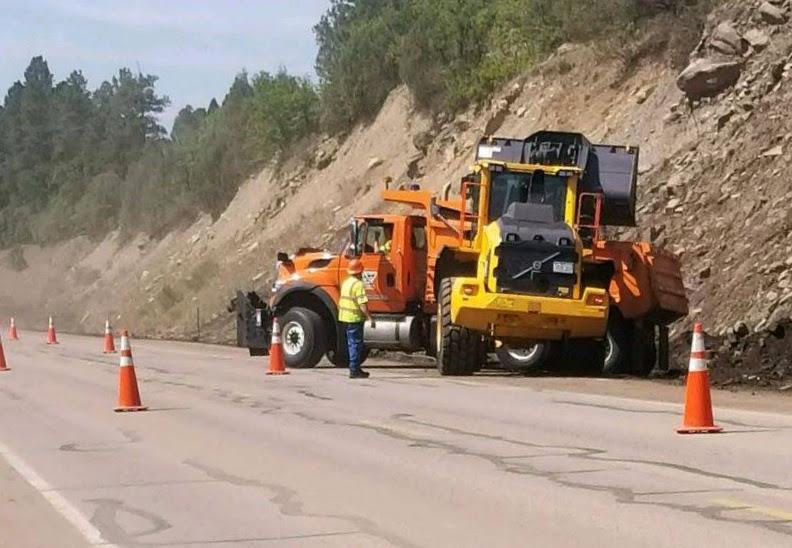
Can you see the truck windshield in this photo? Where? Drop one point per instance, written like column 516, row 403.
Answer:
column 512, row 186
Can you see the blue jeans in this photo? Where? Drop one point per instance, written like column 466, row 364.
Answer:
column 354, row 335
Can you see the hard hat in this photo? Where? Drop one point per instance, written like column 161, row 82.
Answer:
column 355, row 267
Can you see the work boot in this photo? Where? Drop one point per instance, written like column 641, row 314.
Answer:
column 359, row 374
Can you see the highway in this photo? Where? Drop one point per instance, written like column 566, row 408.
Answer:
column 227, row 456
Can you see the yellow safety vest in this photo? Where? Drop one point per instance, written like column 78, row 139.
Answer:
column 386, row 247
column 353, row 295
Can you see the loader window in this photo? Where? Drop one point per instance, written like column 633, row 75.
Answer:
column 511, row 186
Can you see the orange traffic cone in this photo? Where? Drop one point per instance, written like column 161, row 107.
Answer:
column 128, row 394
column 698, row 404
column 276, row 364
column 12, row 332
column 3, row 365
column 52, row 337
column 109, row 343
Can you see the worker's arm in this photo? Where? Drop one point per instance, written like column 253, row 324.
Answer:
column 364, row 309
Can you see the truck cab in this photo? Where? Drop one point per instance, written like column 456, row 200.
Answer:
column 305, row 294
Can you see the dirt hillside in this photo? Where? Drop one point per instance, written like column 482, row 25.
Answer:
column 713, row 186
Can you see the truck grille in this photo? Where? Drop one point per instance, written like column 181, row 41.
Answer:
column 531, row 267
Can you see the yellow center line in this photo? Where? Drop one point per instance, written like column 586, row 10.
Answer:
column 734, row 504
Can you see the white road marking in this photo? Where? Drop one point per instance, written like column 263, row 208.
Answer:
column 58, row 502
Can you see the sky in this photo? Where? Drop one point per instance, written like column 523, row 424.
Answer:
column 196, row 47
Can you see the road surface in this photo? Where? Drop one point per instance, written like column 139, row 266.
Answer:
column 227, row 456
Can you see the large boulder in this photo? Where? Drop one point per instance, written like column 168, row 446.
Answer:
column 707, row 77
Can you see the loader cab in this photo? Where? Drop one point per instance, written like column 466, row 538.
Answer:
column 392, row 249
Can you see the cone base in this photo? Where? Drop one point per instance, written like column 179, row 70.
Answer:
column 56, row 342
column 699, row 429
column 277, row 372
column 3, row 370
column 109, row 351
column 130, row 408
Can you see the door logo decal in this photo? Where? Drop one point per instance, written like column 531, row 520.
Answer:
column 368, row 278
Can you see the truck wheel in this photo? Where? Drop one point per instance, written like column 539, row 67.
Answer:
column 341, row 359
column 303, row 337
column 644, row 356
column 617, row 346
column 522, row 359
column 431, row 349
column 458, row 348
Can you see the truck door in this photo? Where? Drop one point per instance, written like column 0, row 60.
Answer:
column 380, row 246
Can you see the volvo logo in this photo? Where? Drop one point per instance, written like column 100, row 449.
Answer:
column 536, row 267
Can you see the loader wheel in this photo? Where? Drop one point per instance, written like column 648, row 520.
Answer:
column 303, row 338
column 459, row 350
column 523, row 359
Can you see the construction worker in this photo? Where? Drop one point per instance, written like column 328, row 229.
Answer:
column 352, row 314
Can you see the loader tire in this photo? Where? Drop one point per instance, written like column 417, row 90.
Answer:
column 303, row 338
column 459, row 350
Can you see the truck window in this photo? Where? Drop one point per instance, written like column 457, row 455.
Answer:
column 418, row 238
column 511, row 186
column 379, row 238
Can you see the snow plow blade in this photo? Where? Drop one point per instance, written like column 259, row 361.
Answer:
column 254, row 323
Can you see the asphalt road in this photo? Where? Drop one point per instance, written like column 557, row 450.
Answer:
column 227, row 456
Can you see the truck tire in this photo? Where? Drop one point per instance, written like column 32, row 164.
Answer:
column 618, row 348
column 431, row 349
column 458, row 348
column 523, row 359
column 629, row 347
column 341, row 358
column 303, row 338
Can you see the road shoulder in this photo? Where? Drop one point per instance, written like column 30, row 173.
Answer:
column 27, row 520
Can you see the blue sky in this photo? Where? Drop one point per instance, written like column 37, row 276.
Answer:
column 196, row 47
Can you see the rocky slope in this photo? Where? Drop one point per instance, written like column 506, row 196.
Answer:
column 715, row 141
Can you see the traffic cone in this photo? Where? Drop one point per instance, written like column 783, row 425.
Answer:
column 276, row 364
column 109, row 343
column 698, row 404
column 52, row 337
column 3, row 365
column 128, row 394
column 12, row 332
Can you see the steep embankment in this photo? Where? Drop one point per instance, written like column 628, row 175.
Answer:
column 712, row 186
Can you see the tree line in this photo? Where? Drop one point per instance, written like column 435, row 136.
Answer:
column 78, row 161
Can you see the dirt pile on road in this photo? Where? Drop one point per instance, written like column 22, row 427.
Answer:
column 758, row 360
